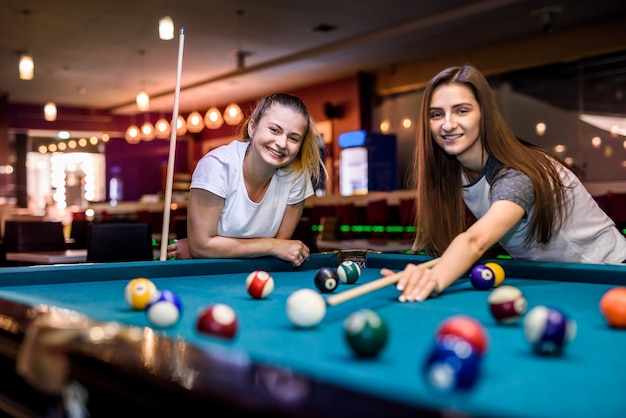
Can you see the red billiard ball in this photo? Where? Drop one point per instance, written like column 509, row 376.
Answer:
column 218, row 320
column 613, row 307
column 507, row 304
column 467, row 328
column 452, row 365
column 365, row 332
column 326, row 279
column 259, row 284
column 548, row 330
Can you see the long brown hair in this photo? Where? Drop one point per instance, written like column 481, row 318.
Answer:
column 309, row 159
column 440, row 210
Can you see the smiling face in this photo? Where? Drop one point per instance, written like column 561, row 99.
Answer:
column 455, row 116
column 277, row 137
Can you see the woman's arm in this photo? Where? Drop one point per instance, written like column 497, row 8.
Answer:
column 417, row 283
column 203, row 214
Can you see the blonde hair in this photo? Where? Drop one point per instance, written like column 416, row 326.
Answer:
column 309, row 159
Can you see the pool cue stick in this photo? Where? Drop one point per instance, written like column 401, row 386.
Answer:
column 172, row 152
column 371, row 286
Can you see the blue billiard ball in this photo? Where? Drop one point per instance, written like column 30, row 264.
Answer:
column 482, row 277
column 165, row 310
column 548, row 330
column 452, row 365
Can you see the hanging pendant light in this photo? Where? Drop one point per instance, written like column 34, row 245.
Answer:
column 133, row 134
column 194, row 122
column 181, row 126
column 166, row 28
column 50, row 112
column 213, row 118
column 233, row 114
column 143, row 101
column 27, row 67
column 147, row 131
column 162, row 129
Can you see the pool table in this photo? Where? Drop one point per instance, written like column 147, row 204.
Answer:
column 272, row 368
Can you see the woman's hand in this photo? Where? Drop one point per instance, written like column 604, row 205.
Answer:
column 417, row 283
column 179, row 250
column 293, row 251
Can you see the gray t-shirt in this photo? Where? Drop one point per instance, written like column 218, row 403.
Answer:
column 588, row 235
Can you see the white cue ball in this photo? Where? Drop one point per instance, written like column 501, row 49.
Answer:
column 305, row 308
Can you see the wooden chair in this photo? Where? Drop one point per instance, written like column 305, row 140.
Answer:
column 33, row 236
column 119, row 241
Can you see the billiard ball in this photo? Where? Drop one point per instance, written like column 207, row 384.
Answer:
column 259, row 284
column 165, row 310
column 305, row 308
column 613, row 307
column 365, row 332
column 349, row 272
column 139, row 292
column 326, row 279
column 548, row 330
column 482, row 277
column 507, row 304
column 467, row 328
column 498, row 273
column 219, row 320
column 452, row 365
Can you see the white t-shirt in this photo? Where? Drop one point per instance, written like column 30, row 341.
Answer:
column 588, row 235
column 220, row 172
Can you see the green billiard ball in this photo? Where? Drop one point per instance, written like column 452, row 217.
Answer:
column 349, row 272
column 365, row 332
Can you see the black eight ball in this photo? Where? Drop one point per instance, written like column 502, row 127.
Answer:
column 326, row 279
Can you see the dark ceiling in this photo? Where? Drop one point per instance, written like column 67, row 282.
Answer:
column 87, row 52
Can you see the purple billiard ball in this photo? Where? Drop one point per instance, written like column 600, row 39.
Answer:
column 452, row 365
column 548, row 330
column 482, row 277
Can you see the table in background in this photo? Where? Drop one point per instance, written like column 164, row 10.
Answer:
column 49, row 257
column 274, row 369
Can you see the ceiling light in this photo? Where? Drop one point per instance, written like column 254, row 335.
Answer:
column 194, row 122
column 213, row 118
column 162, row 129
column 143, row 101
column 181, row 126
column 166, row 28
column 50, row 112
column 27, row 67
column 147, row 131
column 233, row 114
column 133, row 134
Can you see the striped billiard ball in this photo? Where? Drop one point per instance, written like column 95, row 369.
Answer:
column 548, row 330
column 349, row 272
column 507, row 304
column 259, row 284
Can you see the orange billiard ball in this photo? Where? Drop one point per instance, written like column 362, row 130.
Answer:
column 613, row 307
